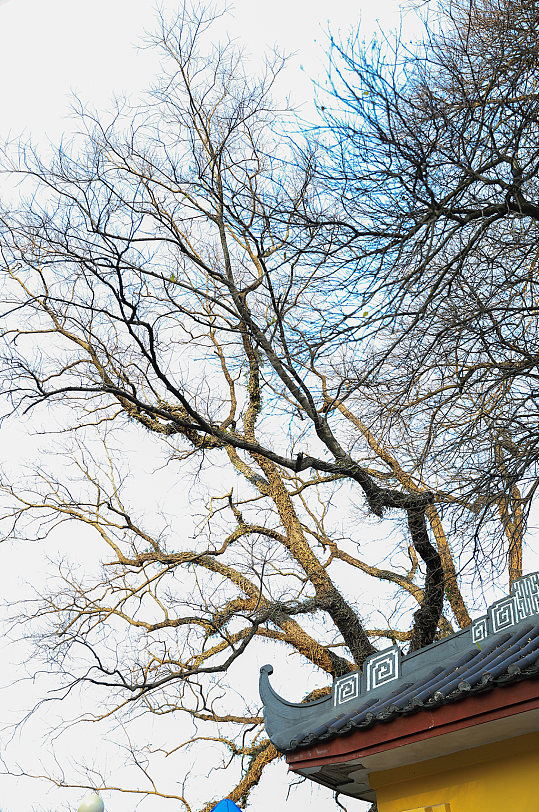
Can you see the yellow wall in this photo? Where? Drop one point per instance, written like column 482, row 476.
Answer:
column 500, row 777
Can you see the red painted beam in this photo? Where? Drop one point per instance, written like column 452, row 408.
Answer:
column 496, row 703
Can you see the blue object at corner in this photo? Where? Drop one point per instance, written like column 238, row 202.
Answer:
column 226, row 806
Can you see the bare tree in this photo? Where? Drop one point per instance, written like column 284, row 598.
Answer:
column 433, row 172
column 167, row 275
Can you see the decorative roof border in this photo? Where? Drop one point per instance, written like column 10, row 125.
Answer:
column 523, row 602
column 385, row 666
column 378, row 670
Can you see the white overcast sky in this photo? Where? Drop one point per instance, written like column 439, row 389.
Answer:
column 50, row 49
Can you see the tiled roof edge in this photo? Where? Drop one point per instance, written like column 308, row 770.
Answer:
column 291, row 725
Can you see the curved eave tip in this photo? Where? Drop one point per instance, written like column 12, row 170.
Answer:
column 267, row 694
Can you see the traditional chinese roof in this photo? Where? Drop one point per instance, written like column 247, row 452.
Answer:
column 499, row 649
